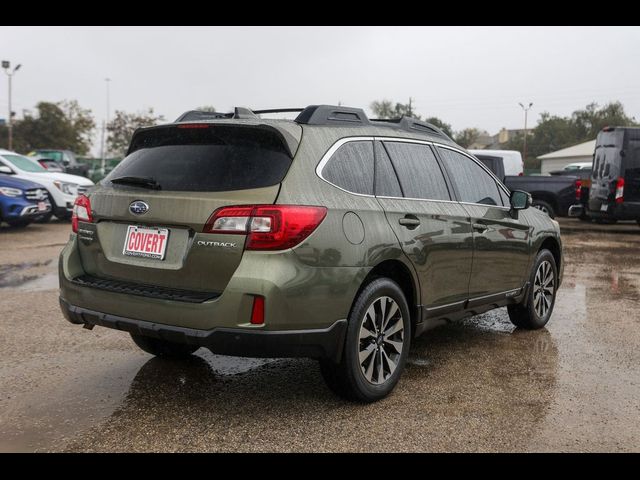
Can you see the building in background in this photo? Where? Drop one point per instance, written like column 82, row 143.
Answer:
column 499, row 141
column 583, row 152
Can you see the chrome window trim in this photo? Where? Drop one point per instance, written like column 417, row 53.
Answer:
column 327, row 156
column 329, row 153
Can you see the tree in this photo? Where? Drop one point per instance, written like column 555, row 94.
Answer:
column 62, row 125
column 121, row 128
column 466, row 137
column 554, row 132
column 387, row 109
column 588, row 122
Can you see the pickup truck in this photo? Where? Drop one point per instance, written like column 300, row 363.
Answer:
column 551, row 194
column 66, row 158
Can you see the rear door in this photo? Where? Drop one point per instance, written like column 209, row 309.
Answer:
column 197, row 169
column 606, row 170
column 501, row 242
column 433, row 230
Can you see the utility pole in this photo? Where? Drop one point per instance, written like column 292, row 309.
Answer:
column 104, row 126
column 6, row 65
column 526, row 111
column 410, row 109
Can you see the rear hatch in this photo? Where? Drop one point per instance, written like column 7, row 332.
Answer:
column 606, row 169
column 150, row 211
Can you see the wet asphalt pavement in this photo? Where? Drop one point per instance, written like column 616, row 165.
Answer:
column 474, row 386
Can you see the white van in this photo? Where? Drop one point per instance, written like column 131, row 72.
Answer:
column 511, row 159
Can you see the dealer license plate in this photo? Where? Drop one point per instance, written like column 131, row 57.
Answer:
column 147, row 242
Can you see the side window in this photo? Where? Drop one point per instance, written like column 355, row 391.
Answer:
column 386, row 180
column 473, row 183
column 418, row 171
column 351, row 167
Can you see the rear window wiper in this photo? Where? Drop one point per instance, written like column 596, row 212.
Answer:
column 145, row 182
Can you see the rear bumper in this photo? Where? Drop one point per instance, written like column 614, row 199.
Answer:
column 623, row 211
column 312, row 343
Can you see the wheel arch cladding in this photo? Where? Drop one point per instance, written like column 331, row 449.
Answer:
column 553, row 246
column 398, row 272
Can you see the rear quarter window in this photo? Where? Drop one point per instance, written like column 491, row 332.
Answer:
column 351, row 167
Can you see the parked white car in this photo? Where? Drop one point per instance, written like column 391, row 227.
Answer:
column 572, row 167
column 512, row 160
column 62, row 187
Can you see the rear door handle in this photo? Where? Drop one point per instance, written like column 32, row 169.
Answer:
column 409, row 221
column 480, row 228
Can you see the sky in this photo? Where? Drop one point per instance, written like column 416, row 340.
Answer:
column 467, row 76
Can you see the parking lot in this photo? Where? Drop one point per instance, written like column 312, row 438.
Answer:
column 474, row 386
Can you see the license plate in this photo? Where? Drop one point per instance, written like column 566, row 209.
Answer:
column 42, row 206
column 603, row 207
column 147, row 242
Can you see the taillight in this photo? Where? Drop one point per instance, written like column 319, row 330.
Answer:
column 620, row 190
column 194, row 125
column 268, row 227
column 578, row 189
column 81, row 212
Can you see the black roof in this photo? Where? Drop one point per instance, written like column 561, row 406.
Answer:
column 321, row 115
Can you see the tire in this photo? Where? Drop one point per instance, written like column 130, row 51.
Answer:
column 544, row 206
column 531, row 315
column 366, row 382
column 20, row 223
column 163, row 348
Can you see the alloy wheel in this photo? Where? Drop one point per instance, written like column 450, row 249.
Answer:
column 381, row 340
column 543, row 289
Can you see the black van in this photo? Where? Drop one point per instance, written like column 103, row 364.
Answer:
column 615, row 179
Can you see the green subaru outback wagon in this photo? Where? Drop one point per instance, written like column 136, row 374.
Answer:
column 332, row 236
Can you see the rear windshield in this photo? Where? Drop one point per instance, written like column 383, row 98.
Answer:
column 211, row 158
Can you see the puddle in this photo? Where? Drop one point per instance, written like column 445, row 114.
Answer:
column 48, row 281
column 31, row 276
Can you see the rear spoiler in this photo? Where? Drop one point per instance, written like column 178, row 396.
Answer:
column 287, row 136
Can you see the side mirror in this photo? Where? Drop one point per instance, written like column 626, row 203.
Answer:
column 520, row 200
column 5, row 169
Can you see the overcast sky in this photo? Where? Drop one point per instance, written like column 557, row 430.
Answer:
column 467, row 76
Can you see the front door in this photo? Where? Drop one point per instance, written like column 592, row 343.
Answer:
column 500, row 239
column 435, row 232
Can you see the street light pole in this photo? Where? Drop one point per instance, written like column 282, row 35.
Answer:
column 6, row 65
column 104, row 127
column 526, row 111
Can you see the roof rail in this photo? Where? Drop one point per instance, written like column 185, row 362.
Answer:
column 332, row 115
column 410, row 123
column 277, row 110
